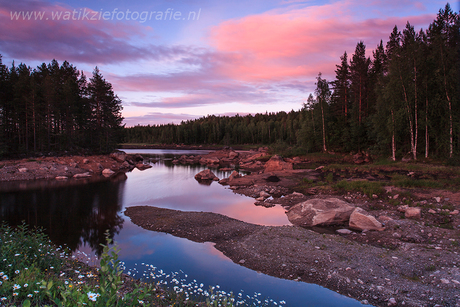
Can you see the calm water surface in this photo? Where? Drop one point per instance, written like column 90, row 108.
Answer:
column 78, row 215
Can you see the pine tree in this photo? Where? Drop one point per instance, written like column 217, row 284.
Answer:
column 106, row 119
column 323, row 94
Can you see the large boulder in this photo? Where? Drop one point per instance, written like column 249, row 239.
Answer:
column 276, row 163
column 360, row 219
column 207, row 174
column 320, row 212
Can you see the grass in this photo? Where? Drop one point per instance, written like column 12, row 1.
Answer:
column 366, row 187
column 34, row 272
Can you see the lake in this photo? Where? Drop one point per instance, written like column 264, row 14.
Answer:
column 77, row 215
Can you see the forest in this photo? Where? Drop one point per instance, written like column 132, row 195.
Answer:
column 55, row 109
column 402, row 102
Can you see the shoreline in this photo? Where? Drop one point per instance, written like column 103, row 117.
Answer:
column 412, row 262
column 370, row 274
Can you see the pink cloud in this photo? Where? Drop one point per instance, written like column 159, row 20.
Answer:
column 157, row 118
column 291, row 44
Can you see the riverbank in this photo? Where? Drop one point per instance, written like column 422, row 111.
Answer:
column 65, row 170
column 412, row 261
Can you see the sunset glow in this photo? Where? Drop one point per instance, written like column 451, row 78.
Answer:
column 169, row 61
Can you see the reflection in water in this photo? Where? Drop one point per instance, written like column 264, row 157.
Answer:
column 78, row 216
column 71, row 215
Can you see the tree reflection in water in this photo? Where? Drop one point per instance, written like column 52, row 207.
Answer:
column 72, row 214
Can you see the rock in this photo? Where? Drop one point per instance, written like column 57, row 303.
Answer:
column 206, row 174
column 455, row 212
column 344, row 231
column 276, row 163
column 320, row 212
column 142, row 166
column 82, row 175
column 437, row 199
column 413, row 213
column 107, row 172
column 232, row 155
column 319, row 168
column 138, row 158
column 431, row 211
column 392, row 302
column 361, row 158
column 61, row 178
column 85, row 161
column 119, row 156
column 233, row 176
column 22, row 170
column 362, row 220
column 445, row 281
column 210, row 161
column 264, row 194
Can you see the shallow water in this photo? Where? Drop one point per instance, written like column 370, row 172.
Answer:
column 78, row 216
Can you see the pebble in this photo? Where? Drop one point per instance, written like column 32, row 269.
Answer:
column 445, row 281
column 392, row 302
column 344, row 231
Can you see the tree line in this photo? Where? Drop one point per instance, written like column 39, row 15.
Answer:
column 403, row 101
column 54, row 108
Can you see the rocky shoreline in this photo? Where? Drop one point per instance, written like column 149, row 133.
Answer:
column 33, row 172
column 411, row 260
column 373, row 275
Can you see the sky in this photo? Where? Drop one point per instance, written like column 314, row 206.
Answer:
column 171, row 61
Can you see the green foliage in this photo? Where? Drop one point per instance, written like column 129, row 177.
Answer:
column 366, row 187
column 25, row 249
column 54, row 108
column 57, row 280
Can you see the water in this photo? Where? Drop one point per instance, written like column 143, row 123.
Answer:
column 78, row 215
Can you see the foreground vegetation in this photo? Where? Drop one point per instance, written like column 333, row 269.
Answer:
column 33, row 272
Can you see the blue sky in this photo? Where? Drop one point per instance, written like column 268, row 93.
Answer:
column 232, row 57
